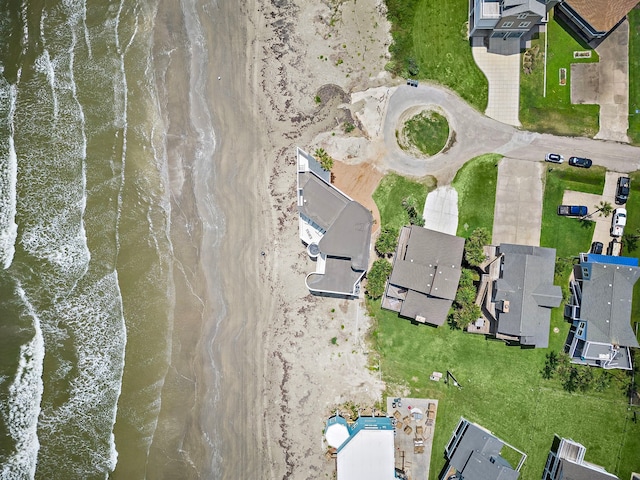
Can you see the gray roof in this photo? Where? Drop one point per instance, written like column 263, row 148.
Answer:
column 434, row 310
column 606, row 303
column 322, row 202
column 429, row 267
column 350, row 235
column 338, row 276
column 347, row 225
column 515, row 7
column 477, row 456
column 575, row 471
column 527, row 284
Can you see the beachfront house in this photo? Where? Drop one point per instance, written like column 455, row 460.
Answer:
column 566, row 462
column 518, row 294
column 335, row 229
column 425, row 275
column 364, row 449
column 475, row 453
column 594, row 19
column 504, row 24
column 600, row 311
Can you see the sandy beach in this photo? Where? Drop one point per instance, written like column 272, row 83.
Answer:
column 254, row 373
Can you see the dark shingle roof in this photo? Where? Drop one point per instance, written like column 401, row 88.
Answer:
column 574, row 471
column 527, row 284
column 606, row 303
column 474, row 453
column 429, row 268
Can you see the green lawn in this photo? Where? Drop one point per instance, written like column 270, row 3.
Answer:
column 392, row 189
column 434, row 36
column 569, row 236
column 634, row 73
column 502, row 387
column 503, row 390
column 555, row 113
column 428, row 131
column 476, row 183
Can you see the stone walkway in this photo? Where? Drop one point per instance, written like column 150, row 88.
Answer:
column 503, row 75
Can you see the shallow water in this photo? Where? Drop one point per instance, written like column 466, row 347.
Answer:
column 86, row 290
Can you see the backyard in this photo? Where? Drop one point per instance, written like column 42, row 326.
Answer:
column 502, row 387
column 554, row 112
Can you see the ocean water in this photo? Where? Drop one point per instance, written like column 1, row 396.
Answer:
column 86, row 259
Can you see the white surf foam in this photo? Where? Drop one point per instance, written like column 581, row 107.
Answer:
column 93, row 316
column 20, row 413
column 8, row 178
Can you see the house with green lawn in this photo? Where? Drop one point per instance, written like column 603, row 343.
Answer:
column 505, row 23
column 600, row 311
column 519, row 293
column 425, row 275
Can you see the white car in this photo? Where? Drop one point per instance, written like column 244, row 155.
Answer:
column 554, row 158
column 618, row 222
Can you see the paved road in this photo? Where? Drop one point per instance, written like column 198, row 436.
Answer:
column 477, row 134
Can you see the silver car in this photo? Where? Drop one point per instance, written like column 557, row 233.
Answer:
column 554, row 158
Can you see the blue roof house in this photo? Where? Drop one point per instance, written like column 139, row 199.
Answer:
column 600, row 311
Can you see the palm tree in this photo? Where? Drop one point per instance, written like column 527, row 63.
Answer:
column 604, row 209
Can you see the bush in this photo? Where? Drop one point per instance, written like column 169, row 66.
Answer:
column 473, row 252
column 387, row 241
column 377, row 278
column 466, row 315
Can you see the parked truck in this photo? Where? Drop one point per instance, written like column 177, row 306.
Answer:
column 572, row 210
column 618, row 222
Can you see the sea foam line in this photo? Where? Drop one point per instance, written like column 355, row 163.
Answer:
column 8, row 181
column 20, row 413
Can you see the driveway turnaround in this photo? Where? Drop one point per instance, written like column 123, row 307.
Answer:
column 518, row 211
column 503, row 75
column 441, row 210
column 476, row 134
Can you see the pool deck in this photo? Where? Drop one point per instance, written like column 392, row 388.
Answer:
column 413, row 435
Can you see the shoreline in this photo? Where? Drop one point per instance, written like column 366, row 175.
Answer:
column 253, row 371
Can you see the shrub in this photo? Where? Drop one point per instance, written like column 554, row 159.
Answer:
column 473, row 252
column 377, row 278
column 387, row 241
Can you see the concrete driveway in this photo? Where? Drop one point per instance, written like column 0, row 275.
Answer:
column 591, row 201
column 503, row 76
column 441, row 210
column 606, row 83
column 518, row 210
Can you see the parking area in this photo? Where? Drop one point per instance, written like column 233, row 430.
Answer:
column 591, row 201
column 518, row 210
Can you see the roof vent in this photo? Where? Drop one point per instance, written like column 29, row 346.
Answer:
column 505, row 306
